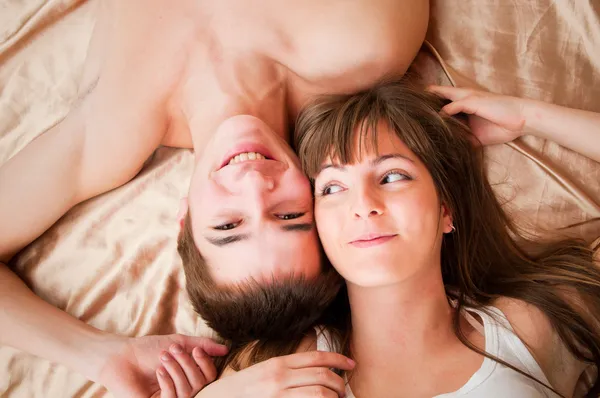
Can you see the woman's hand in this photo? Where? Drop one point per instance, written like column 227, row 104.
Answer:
column 306, row 374
column 493, row 118
column 159, row 366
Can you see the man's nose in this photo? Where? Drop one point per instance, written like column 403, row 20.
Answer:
column 257, row 182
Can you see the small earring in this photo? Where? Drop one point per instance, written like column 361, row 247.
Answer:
column 453, row 228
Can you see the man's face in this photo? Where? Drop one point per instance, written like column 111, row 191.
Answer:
column 251, row 206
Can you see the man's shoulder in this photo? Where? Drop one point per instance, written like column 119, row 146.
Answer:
column 344, row 47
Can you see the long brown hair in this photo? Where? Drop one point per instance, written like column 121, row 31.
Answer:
column 485, row 258
column 257, row 321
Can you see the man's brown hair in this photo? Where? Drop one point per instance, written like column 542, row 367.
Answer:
column 256, row 320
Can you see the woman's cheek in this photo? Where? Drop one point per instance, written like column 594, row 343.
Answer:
column 328, row 224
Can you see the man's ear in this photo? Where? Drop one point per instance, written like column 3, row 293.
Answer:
column 183, row 209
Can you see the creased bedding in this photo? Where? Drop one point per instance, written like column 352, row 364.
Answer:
column 112, row 262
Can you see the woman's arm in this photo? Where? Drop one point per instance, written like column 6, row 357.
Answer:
column 534, row 329
column 572, row 128
column 304, row 374
column 496, row 119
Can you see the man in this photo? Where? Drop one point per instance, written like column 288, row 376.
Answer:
column 226, row 78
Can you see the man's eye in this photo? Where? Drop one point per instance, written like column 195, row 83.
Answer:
column 290, row 216
column 226, row 226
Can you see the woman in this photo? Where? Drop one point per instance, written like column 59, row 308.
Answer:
column 443, row 298
column 444, row 302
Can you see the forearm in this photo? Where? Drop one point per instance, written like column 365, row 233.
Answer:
column 34, row 326
column 572, row 128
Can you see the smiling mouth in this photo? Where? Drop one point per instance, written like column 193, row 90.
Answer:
column 246, row 153
column 371, row 241
column 246, row 156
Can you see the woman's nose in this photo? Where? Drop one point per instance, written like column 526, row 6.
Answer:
column 367, row 204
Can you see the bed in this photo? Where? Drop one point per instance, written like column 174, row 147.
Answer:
column 112, row 260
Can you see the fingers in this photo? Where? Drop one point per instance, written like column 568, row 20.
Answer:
column 209, row 346
column 322, row 377
column 450, row 92
column 206, row 364
column 311, row 392
column 167, row 388
column 317, row 359
column 466, row 105
column 463, row 100
column 193, row 373
column 177, row 375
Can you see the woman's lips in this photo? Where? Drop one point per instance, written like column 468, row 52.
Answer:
column 372, row 240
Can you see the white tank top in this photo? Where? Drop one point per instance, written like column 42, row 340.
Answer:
column 492, row 380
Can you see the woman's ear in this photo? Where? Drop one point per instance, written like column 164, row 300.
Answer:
column 447, row 220
column 183, row 209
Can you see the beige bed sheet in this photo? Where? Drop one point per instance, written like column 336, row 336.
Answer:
column 112, row 261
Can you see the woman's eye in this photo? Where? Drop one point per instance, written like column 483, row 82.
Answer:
column 394, row 176
column 226, row 226
column 290, row 216
column 331, row 189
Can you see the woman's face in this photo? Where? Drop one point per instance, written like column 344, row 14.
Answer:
column 380, row 219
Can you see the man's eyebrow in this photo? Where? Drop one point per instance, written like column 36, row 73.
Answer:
column 227, row 239
column 303, row 227
column 383, row 158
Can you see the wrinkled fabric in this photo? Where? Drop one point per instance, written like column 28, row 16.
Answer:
column 112, row 261
column 545, row 50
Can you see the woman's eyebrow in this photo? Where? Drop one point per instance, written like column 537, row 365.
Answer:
column 383, row 158
column 374, row 162
column 332, row 166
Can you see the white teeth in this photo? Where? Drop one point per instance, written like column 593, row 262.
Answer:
column 242, row 157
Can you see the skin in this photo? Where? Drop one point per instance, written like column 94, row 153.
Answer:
column 396, row 197
column 496, row 119
column 401, row 274
column 372, row 216
column 209, row 64
column 265, row 204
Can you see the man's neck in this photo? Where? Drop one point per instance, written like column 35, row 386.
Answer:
column 243, row 86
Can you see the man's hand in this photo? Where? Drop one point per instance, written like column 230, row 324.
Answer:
column 158, row 366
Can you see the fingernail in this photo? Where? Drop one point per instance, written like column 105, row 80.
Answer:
column 161, row 372
column 351, row 362
column 165, row 357
column 176, row 349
